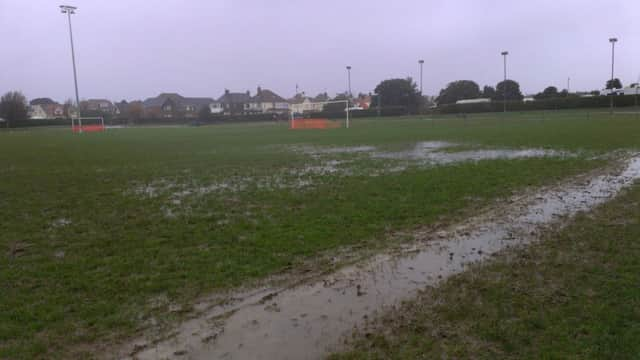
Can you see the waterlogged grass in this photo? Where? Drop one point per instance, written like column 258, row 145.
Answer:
column 574, row 295
column 88, row 257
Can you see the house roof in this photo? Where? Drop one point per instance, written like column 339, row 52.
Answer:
column 177, row 99
column 122, row 105
column 42, row 101
column 160, row 99
column 298, row 99
column 98, row 101
column 199, row 101
column 234, row 98
column 267, row 96
column 321, row 98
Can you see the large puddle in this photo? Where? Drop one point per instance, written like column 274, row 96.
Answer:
column 434, row 153
column 323, row 162
column 307, row 321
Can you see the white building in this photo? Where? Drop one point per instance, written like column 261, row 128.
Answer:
column 37, row 112
column 629, row 90
column 301, row 106
column 216, row 108
column 632, row 89
column 473, row 101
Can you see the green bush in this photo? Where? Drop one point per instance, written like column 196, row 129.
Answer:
column 572, row 102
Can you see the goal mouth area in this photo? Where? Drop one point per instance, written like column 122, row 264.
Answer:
column 87, row 128
column 88, row 124
column 316, row 123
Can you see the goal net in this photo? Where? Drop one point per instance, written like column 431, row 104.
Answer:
column 87, row 124
column 299, row 121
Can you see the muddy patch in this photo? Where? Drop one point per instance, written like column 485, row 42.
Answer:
column 59, row 223
column 307, row 321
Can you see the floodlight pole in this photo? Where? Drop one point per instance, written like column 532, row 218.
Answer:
column 613, row 57
column 421, row 62
column 349, row 80
column 637, row 86
column 350, row 95
column 504, row 84
column 66, row 9
column 348, row 114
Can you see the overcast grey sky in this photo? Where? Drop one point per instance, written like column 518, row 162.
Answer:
column 136, row 49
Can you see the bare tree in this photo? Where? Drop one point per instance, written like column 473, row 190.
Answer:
column 135, row 111
column 13, row 107
column 67, row 108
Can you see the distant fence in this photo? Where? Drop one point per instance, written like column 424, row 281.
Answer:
column 120, row 121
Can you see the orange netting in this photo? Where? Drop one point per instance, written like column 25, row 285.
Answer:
column 314, row 124
column 87, row 128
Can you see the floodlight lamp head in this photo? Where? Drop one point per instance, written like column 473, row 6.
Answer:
column 67, row 9
column 505, row 53
column 421, row 61
column 613, row 40
column 348, row 67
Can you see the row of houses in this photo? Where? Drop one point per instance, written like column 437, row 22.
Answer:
column 174, row 105
column 45, row 108
column 169, row 105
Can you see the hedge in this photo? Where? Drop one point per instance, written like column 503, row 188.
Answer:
column 572, row 102
column 371, row 112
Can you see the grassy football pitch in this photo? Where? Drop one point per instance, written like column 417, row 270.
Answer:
column 103, row 233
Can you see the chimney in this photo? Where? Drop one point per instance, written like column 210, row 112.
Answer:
column 248, row 93
column 226, row 91
column 259, row 90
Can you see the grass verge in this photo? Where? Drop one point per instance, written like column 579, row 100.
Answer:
column 575, row 294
